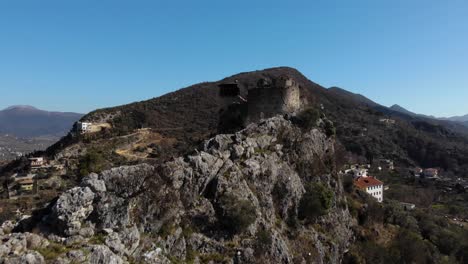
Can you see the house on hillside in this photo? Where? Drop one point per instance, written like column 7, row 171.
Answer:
column 27, row 185
column 87, row 127
column 387, row 121
column 357, row 172
column 371, row 185
column 417, row 172
column 83, row 127
column 431, row 173
column 36, row 162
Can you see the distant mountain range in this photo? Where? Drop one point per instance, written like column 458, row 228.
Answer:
column 458, row 119
column 29, row 122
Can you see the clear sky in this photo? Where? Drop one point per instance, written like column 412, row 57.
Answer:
column 86, row 54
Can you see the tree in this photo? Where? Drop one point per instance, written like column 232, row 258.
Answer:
column 236, row 214
column 91, row 162
column 315, row 202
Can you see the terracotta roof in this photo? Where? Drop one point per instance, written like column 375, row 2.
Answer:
column 25, row 181
column 364, row 182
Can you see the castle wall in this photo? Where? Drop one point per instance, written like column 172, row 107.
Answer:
column 268, row 102
column 292, row 99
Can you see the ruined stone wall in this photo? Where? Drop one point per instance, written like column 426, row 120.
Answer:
column 264, row 103
column 268, row 102
column 292, row 99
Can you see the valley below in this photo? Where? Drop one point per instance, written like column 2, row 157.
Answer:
column 12, row 147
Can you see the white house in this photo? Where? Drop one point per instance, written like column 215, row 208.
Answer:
column 36, row 162
column 357, row 172
column 83, row 127
column 371, row 185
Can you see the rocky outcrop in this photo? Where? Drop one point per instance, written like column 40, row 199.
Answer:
column 19, row 248
column 71, row 209
column 236, row 199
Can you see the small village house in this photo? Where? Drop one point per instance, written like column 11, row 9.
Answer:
column 358, row 170
column 83, row 127
column 36, row 162
column 431, row 173
column 387, row 121
column 417, row 172
column 87, row 127
column 26, row 184
column 371, row 185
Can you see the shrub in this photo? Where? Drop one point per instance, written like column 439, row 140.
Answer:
column 330, row 129
column 91, row 162
column 264, row 239
column 236, row 214
column 412, row 248
column 315, row 202
column 308, row 118
column 52, row 251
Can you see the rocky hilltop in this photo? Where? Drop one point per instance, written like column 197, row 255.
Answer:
column 266, row 194
column 242, row 170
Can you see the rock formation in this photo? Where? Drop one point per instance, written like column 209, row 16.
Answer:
column 237, row 199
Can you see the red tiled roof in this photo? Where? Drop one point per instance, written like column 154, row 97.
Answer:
column 364, row 182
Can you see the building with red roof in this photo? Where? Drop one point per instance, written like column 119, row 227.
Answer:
column 371, row 185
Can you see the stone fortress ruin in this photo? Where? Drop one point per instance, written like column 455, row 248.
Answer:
column 270, row 97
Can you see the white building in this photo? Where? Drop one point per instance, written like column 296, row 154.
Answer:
column 83, row 127
column 357, row 172
column 371, row 185
column 36, row 162
column 387, row 121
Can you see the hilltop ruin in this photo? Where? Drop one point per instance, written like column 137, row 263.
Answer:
column 270, row 97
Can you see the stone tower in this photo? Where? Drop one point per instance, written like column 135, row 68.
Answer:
column 273, row 97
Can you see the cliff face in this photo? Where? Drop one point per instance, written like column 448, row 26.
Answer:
column 266, row 194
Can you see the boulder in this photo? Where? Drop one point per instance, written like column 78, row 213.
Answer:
column 71, row 209
column 100, row 254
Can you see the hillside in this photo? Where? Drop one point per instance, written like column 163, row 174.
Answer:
column 192, row 114
column 163, row 183
column 238, row 199
column 183, row 119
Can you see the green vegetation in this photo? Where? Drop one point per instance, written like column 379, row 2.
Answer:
column 166, row 229
column 418, row 236
column 330, row 129
column 52, row 251
column 98, row 239
column 315, row 202
column 308, row 118
column 91, row 162
column 263, row 240
column 237, row 214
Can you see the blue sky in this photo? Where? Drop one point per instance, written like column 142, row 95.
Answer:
column 88, row 54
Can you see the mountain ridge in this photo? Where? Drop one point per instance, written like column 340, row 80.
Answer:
column 29, row 122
